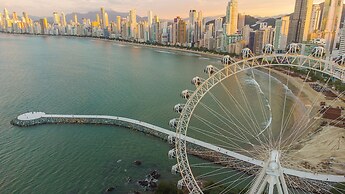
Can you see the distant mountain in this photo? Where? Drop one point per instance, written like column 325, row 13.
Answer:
column 92, row 15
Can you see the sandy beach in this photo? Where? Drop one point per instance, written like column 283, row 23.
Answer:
column 205, row 54
column 322, row 150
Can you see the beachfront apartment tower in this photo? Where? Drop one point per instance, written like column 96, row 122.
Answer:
column 300, row 21
column 331, row 17
column 281, row 33
column 231, row 17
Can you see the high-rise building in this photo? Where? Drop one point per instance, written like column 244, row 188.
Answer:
column 56, row 18
column 231, row 17
column 14, row 16
column 102, row 17
column 44, row 25
column 192, row 26
column 218, row 24
column 182, row 32
column 281, row 33
column 241, row 21
column 330, row 24
column 98, row 19
column 63, row 19
column 300, row 21
column 75, row 19
column 118, row 24
column 149, row 18
column 200, row 26
column 6, row 15
column 133, row 23
column 342, row 42
column 26, row 17
column 315, row 18
column 106, row 20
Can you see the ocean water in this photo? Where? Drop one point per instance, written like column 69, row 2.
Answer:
column 83, row 76
column 62, row 75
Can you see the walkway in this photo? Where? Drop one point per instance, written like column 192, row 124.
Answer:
column 37, row 118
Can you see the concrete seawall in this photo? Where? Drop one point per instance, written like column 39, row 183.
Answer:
column 40, row 118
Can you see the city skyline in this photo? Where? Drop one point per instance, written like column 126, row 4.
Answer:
column 162, row 8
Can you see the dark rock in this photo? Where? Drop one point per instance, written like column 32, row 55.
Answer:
column 110, row 189
column 155, row 174
column 137, row 162
column 153, row 184
column 143, row 183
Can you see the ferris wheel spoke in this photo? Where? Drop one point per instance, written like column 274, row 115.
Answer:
column 331, row 104
column 236, row 133
column 283, row 124
column 213, row 174
column 304, row 120
column 221, row 182
column 221, row 118
column 259, row 97
column 227, row 112
column 292, row 110
column 246, row 102
column 225, row 181
column 309, row 125
column 234, row 184
column 203, row 131
column 245, row 115
column 233, row 146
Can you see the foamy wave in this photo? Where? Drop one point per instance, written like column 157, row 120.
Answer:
column 166, row 52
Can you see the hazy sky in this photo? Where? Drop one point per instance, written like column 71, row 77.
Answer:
column 163, row 8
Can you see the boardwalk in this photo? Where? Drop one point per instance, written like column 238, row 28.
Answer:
column 39, row 118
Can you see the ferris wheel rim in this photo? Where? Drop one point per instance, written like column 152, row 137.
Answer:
column 191, row 104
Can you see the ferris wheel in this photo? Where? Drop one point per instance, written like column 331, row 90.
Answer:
column 272, row 123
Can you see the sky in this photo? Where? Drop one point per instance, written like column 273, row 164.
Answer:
column 166, row 9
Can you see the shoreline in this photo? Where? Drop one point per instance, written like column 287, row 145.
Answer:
column 123, row 42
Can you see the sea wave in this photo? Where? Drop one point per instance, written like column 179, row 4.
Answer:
column 265, row 124
column 166, row 52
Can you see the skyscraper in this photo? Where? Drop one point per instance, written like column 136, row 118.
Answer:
column 63, row 19
column 281, row 33
column 231, row 17
column 342, row 42
column 102, row 17
column 191, row 26
column 106, row 20
column 300, row 21
column 44, row 25
column 150, row 17
column 315, row 18
column 330, row 24
column 26, row 17
column 241, row 21
column 182, row 32
column 118, row 24
column 98, row 20
column 7, row 17
column 14, row 16
column 75, row 19
column 133, row 23
column 56, row 18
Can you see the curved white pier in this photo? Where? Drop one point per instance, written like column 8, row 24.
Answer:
column 32, row 116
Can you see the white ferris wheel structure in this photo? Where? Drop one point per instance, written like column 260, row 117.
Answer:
column 252, row 132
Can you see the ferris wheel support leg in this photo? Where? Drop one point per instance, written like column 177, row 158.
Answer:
column 271, row 189
column 258, row 181
column 263, row 186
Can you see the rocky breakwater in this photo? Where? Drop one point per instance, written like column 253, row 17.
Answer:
column 40, row 118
